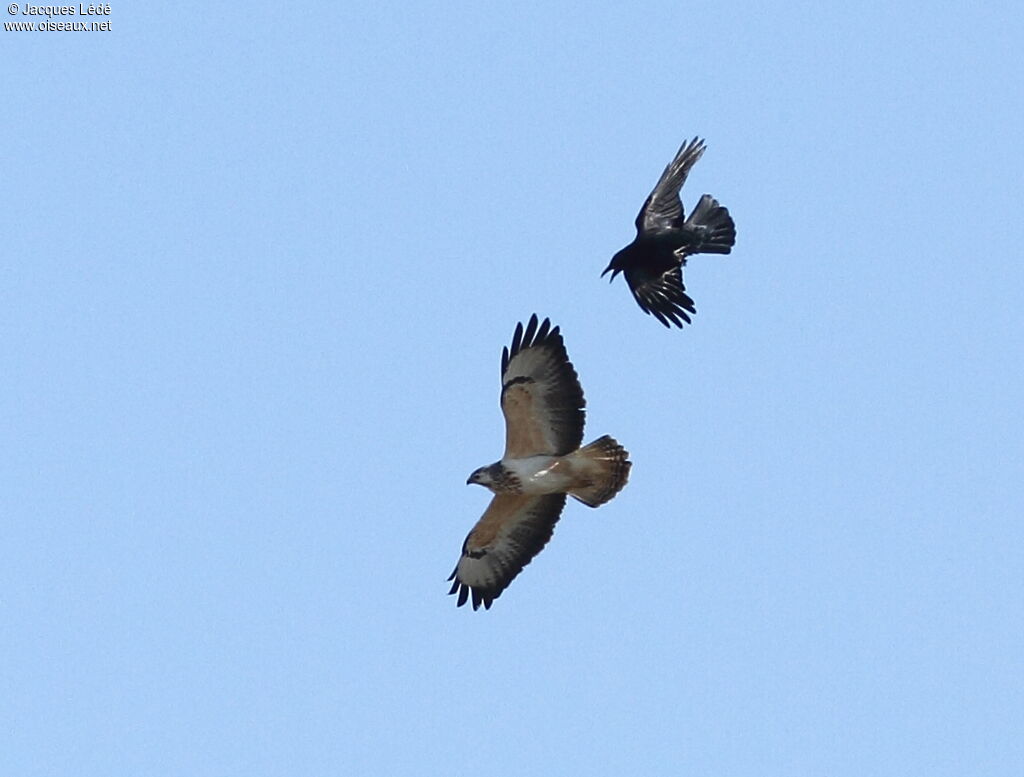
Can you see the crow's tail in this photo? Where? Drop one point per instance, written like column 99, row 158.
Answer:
column 712, row 228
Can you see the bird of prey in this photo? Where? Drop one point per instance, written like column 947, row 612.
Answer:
column 543, row 403
column 653, row 262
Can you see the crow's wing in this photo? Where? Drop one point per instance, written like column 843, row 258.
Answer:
column 663, row 210
column 663, row 296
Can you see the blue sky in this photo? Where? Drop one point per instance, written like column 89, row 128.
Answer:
column 259, row 266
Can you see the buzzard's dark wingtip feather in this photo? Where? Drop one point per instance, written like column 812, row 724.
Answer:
column 542, row 333
column 536, row 332
column 517, row 340
column 531, row 330
column 525, row 338
column 472, row 595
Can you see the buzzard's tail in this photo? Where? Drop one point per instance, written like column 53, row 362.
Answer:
column 604, row 464
column 712, row 227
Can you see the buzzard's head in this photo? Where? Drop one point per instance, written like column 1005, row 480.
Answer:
column 484, row 476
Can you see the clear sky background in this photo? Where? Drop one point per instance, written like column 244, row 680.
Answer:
column 258, row 266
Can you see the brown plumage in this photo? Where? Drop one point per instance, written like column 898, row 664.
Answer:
column 543, row 403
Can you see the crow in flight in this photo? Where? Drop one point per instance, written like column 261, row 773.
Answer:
column 653, row 262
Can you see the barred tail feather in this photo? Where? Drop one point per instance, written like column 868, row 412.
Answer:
column 605, row 466
column 713, row 226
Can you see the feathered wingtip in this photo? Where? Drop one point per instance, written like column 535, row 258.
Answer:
column 464, row 591
column 676, row 171
column 534, row 334
column 666, row 299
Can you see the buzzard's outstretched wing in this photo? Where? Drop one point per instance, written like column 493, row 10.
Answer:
column 510, row 533
column 541, row 395
column 664, row 296
column 663, row 210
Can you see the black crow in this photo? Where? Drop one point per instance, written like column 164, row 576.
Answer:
column 653, row 262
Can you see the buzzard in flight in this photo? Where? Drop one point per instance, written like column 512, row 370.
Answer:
column 653, row 262
column 543, row 405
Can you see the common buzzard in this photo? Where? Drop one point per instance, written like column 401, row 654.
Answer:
column 542, row 401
